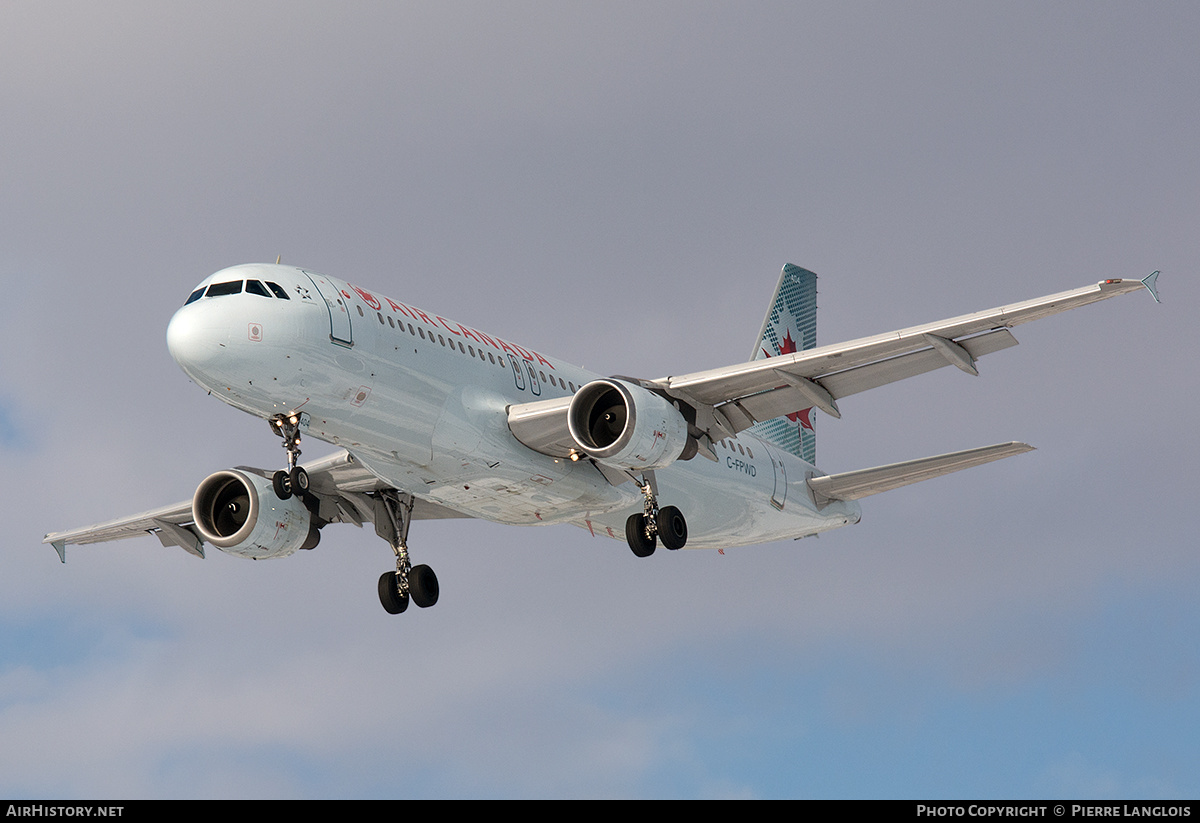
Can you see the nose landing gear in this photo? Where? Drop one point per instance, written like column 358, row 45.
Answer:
column 392, row 515
column 294, row 480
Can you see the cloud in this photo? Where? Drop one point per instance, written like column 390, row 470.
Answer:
column 11, row 436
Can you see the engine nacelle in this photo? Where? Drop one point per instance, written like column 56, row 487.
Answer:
column 239, row 512
column 624, row 425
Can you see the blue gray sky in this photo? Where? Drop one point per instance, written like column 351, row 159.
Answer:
column 617, row 184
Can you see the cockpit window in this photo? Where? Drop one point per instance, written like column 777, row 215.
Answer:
column 196, row 295
column 219, row 289
column 279, row 292
column 254, row 287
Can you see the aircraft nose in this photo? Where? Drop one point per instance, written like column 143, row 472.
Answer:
column 195, row 340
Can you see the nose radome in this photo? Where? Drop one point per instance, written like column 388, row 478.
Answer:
column 195, row 342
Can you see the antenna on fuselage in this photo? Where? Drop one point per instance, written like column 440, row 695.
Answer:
column 278, row 258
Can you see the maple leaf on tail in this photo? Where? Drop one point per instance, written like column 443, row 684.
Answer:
column 804, row 416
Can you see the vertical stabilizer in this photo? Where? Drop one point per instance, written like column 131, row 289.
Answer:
column 790, row 325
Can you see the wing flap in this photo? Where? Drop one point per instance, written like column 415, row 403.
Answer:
column 866, row 482
column 185, row 538
column 853, row 381
column 788, row 399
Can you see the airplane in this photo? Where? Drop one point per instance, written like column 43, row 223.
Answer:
column 435, row 419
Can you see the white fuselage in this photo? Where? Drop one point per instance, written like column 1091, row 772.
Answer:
column 422, row 402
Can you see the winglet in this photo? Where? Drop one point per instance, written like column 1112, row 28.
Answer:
column 1151, row 284
column 60, row 546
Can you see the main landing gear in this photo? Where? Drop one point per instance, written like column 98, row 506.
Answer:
column 293, row 481
column 393, row 513
column 643, row 531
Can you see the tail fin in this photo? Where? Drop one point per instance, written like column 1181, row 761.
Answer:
column 790, row 325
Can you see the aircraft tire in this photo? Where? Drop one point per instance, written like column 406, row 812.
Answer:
column 423, row 586
column 282, row 484
column 389, row 594
column 672, row 528
column 298, row 480
column 635, row 535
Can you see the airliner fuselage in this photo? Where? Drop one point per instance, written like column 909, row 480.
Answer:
column 422, row 400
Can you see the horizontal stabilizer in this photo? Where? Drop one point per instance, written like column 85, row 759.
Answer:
column 865, row 482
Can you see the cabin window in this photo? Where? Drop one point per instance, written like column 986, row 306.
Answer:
column 391, row 322
column 360, row 311
column 254, row 287
column 222, row 289
column 422, row 331
column 442, row 340
column 277, row 290
column 380, row 316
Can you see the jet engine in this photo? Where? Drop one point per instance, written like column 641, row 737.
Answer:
column 239, row 513
column 624, row 425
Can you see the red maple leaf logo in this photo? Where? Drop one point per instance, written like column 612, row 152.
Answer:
column 804, row 416
column 370, row 299
column 787, row 347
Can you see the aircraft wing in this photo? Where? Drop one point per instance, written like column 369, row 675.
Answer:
column 731, row 399
column 340, row 483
